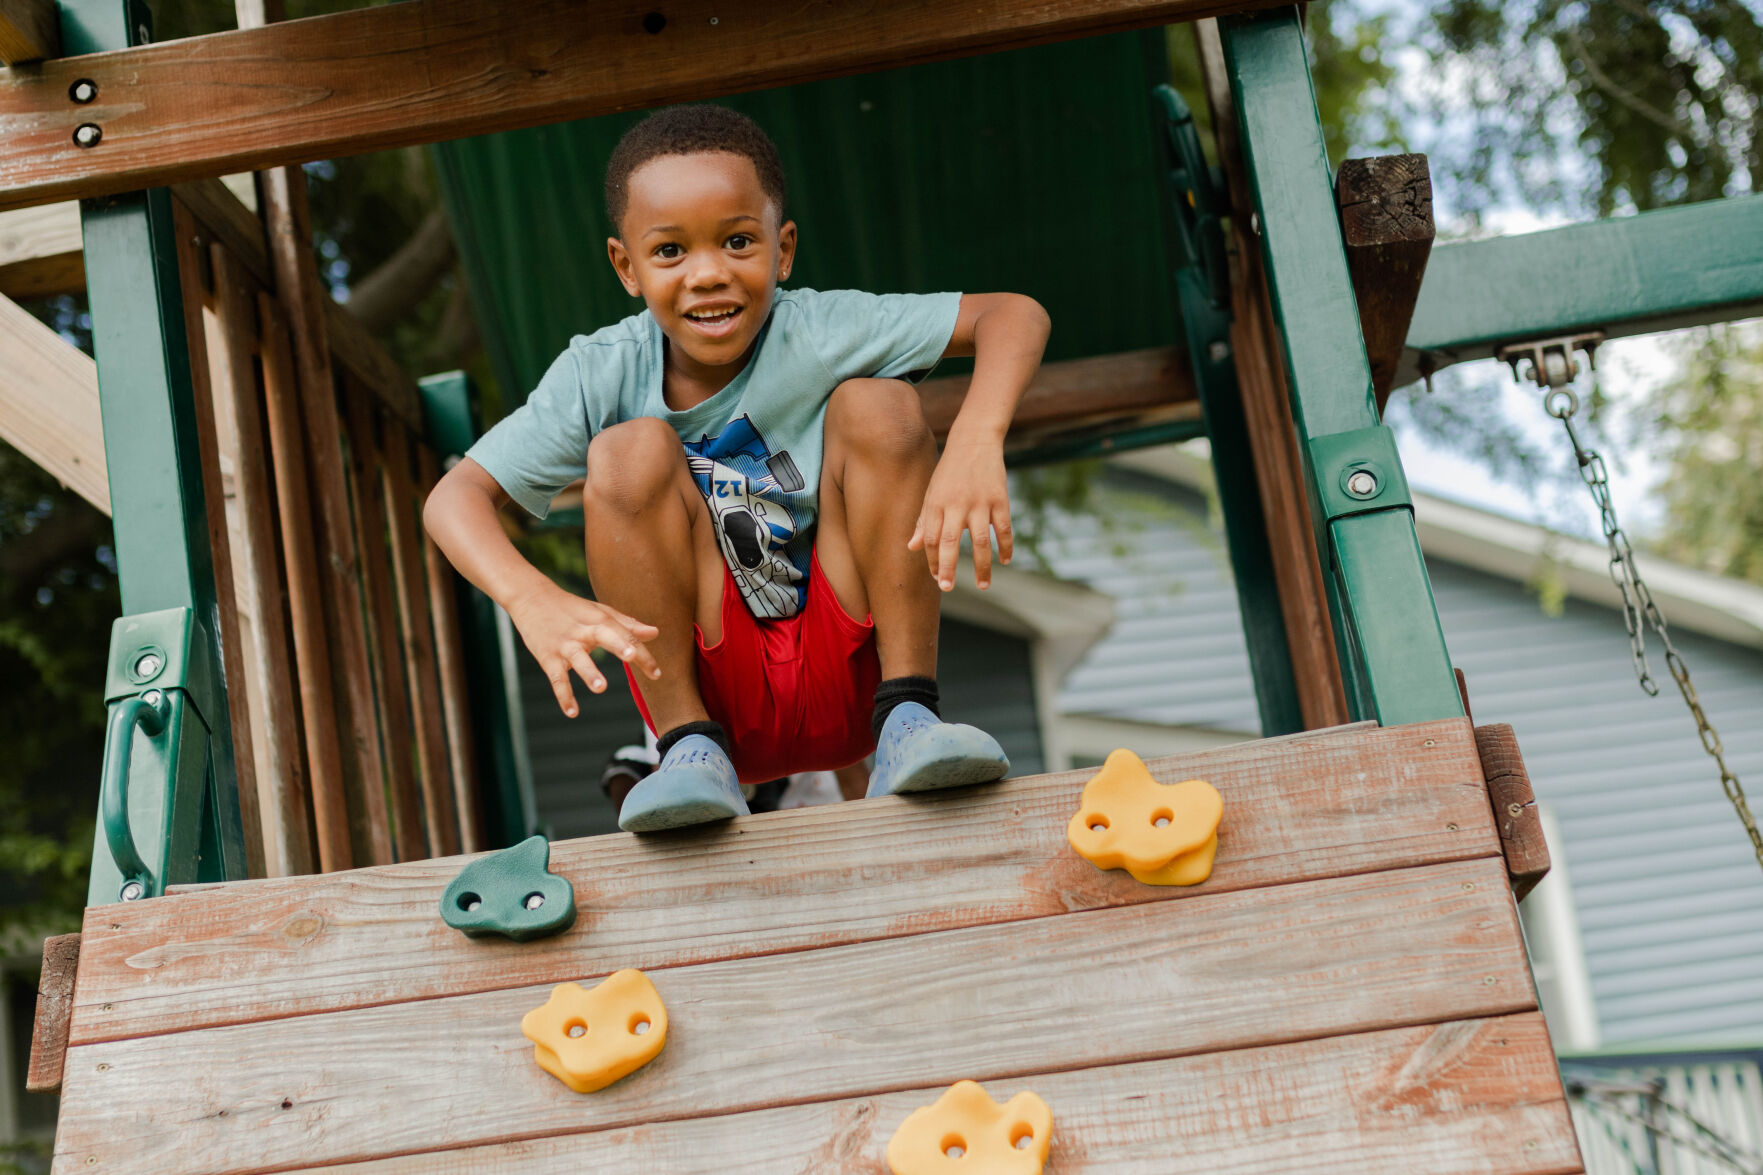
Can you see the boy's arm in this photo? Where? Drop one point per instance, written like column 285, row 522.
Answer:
column 1005, row 334
column 560, row 629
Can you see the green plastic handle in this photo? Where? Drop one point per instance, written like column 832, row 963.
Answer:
column 151, row 713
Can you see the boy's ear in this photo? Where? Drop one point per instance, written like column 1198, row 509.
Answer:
column 621, row 265
column 786, row 250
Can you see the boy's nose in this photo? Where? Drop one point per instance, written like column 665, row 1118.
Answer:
column 708, row 274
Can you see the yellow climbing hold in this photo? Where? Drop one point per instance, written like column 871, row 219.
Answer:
column 589, row 1039
column 965, row 1132
column 1163, row 834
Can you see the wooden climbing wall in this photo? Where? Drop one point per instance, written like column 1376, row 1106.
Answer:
column 1348, row 993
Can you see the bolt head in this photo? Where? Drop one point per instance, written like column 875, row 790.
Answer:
column 534, row 900
column 1362, row 484
column 152, row 697
column 1218, row 350
column 133, row 891
column 148, row 665
column 87, row 134
column 83, row 91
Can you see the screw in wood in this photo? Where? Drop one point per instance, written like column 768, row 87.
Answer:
column 83, row 91
column 87, row 134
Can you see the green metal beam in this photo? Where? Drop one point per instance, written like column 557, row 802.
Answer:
column 1675, row 267
column 162, row 779
column 452, row 422
column 1391, row 646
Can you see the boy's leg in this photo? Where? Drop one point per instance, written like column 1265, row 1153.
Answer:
column 652, row 553
column 879, row 456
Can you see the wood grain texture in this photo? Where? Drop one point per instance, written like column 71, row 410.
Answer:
column 261, row 597
column 1154, row 384
column 287, row 217
column 61, row 960
column 1514, row 805
column 450, row 663
column 1475, row 1097
column 192, row 254
column 1162, row 979
column 392, row 697
column 312, row 650
column 30, row 30
column 378, row 78
column 1327, row 804
column 1386, row 223
column 49, row 404
column 404, row 528
column 41, row 252
column 1267, row 406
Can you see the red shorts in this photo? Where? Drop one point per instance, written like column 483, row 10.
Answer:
column 793, row 695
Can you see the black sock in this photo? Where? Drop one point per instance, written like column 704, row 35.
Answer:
column 710, row 730
column 895, row 690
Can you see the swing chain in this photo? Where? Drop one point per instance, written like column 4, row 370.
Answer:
column 1639, row 611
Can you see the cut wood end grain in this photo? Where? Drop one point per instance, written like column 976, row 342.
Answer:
column 61, row 960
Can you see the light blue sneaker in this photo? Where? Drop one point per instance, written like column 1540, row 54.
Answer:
column 919, row 752
column 695, row 784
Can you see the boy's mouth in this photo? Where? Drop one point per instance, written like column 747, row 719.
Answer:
column 713, row 321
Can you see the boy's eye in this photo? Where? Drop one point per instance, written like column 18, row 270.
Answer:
column 668, row 250
column 740, row 241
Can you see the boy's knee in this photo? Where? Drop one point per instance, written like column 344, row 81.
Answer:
column 631, row 464
column 881, row 416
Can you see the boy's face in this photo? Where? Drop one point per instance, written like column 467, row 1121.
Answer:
column 701, row 244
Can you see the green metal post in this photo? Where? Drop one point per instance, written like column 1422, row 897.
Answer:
column 1391, row 646
column 1203, row 290
column 171, row 766
column 452, row 422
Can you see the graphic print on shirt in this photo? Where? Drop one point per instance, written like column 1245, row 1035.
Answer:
column 744, row 484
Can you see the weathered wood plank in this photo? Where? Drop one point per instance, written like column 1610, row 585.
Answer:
column 288, row 218
column 377, row 78
column 61, row 960
column 30, row 30
column 261, row 599
column 1279, row 470
column 1515, row 808
column 417, row 633
column 367, row 489
column 450, row 662
column 49, row 404
column 312, row 650
column 192, row 249
column 1312, row 806
column 1386, row 224
column 1475, row 1097
column 1223, row 971
column 41, row 252
column 1133, row 384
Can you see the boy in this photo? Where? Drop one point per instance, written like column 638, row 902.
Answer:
column 755, row 469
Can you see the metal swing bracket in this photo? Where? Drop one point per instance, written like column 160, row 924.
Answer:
column 161, row 689
column 1551, row 361
column 1358, row 472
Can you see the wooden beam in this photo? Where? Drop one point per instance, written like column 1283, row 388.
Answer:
column 1133, row 385
column 1478, row 1097
column 61, row 960
column 49, row 404
column 30, row 30
column 1351, row 800
column 41, row 252
column 1514, row 806
column 1386, row 221
column 402, row 74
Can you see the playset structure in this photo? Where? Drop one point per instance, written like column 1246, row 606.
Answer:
column 306, row 711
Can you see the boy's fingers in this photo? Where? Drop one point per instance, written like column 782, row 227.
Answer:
column 929, row 525
column 1006, row 542
column 644, row 660
column 917, row 539
column 557, row 673
column 614, row 639
column 949, row 552
column 635, row 627
column 587, row 671
column 981, row 528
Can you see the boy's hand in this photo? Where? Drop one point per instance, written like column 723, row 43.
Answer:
column 562, row 630
column 968, row 492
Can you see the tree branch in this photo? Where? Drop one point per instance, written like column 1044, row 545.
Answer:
column 388, row 293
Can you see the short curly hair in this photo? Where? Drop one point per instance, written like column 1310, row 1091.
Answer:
column 688, row 130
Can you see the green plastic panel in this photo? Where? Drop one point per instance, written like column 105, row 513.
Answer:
column 1031, row 171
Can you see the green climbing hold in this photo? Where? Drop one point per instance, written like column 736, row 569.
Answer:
column 511, row 893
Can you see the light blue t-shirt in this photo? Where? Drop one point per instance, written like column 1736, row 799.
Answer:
column 754, row 448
